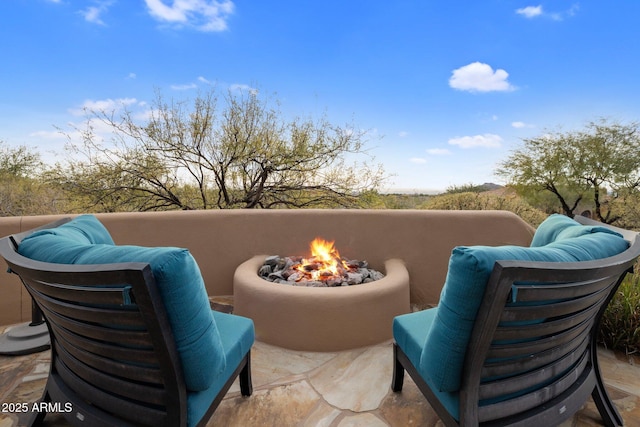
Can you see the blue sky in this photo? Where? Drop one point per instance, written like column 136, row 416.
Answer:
column 445, row 88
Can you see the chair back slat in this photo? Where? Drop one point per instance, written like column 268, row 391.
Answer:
column 129, row 318
column 530, row 378
column 81, row 294
column 117, row 386
column 546, row 310
column 523, row 331
column 550, row 291
column 532, row 400
column 529, row 348
column 139, row 339
column 135, row 371
column 504, row 367
column 130, row 410
column 111, row 351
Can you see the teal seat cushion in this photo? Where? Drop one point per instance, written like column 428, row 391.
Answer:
column 558, row 227
column 410, row 333
column 179, row 282
column 442, row 357
column 237, row 335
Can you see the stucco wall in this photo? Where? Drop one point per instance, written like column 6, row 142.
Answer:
column 221, row 240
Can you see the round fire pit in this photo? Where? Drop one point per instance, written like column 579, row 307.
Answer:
column 323, row 318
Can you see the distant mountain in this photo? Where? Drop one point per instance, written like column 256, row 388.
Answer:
column 410, row 191
column 489, row 186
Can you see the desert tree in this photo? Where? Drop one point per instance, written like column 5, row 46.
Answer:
column 593, row 166
column 231, row 152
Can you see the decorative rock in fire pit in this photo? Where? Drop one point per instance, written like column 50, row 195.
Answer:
column 293, row 271
column 325, row 268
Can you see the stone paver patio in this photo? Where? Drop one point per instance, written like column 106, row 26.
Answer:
column 340, row 389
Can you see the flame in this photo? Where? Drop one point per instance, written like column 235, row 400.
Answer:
column 325, row 257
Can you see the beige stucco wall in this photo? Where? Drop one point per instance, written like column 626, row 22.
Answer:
column 221, row 240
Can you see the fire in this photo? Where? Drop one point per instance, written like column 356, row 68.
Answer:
column 325, row 262
column 324, row 268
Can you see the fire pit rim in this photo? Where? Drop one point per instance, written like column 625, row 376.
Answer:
column 321, row 318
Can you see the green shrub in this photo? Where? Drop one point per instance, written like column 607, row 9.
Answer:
column 487, row 201
column 620, row 324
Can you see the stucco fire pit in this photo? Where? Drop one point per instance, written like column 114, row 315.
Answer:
column 321, row 318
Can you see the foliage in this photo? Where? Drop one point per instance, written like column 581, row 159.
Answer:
column 22, row 192
column 375, row 200
column 599, row 163
column 487, row 201
column 546, row 201
column 27, row 196
column 18, row 161
column 627, row 208
column 620, row 324
column 190, row 156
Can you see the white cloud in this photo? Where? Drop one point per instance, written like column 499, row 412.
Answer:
column 530, row 11
column 100, row 129
column 132, row 76
column 184, row 87
column 93, row 14
column 488, row 140
column 46, row 134
column 204, row 15
column 418, row 160
column 192, row 85
column 403, row 134
column 520, row 125
column 438, row 151
column 479, row 77
column 243, row 87
column 147, row 114
column 106, row 105
column 573, row 9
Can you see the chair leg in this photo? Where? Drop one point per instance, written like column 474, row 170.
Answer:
column 608, row 411
column 246, row 386
column 398, row 371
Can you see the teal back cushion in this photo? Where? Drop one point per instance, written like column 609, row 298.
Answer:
column 443, row 354
column 82, row 229
column 558, row 227
column 83, row 241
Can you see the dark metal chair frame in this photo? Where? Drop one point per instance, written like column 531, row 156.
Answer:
column 507, row 358
column 115, row 362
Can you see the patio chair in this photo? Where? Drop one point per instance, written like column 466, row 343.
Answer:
column 513, row 339
column 134, row 341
